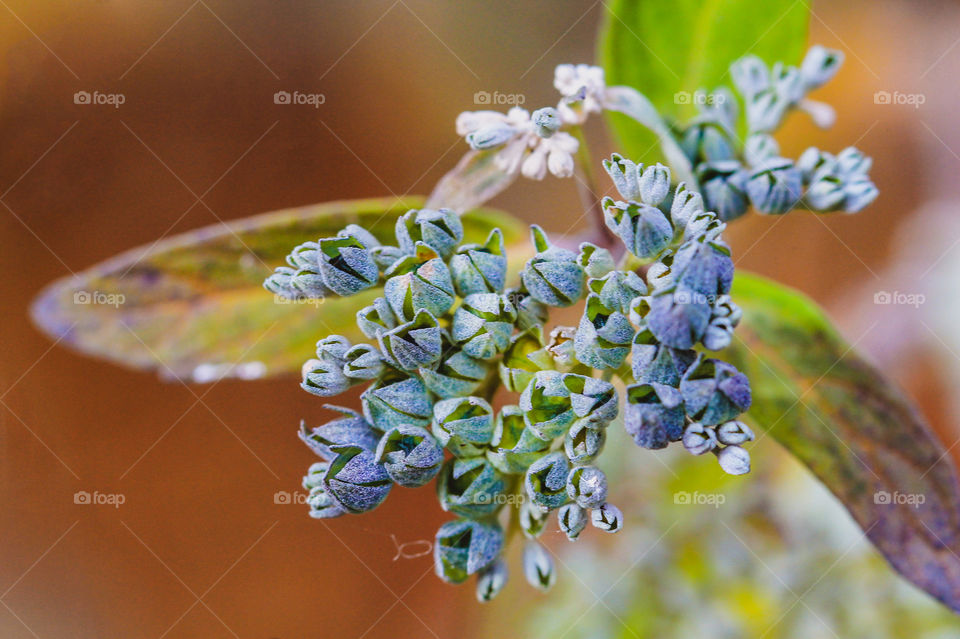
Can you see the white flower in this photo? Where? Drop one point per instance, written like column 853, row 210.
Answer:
column 584, row 91
column 521, row 148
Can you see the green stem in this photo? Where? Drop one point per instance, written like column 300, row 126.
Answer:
column 589, row 193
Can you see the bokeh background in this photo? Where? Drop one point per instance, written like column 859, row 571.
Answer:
column 200, row 548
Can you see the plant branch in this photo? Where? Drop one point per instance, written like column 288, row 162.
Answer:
column 590, row 194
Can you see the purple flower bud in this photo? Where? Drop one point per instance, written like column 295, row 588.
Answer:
column 654, row 415
column 714, row 391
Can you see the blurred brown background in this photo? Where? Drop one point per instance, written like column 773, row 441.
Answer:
column 200, row 548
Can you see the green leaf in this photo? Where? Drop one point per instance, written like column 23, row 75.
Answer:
column 662, row 48
column 854, row 429
column 193, row 306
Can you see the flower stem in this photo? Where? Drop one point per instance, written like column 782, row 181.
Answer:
column 589, row 193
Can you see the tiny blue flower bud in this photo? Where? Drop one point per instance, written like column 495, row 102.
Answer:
column 490, row 137
column 618, row 289
column 524, row 356
column 351, row 429
column 595, row 261
column 625, row 175
column 416, row 344
column 362, row 235
column 464, row 425
column 538, row 566
column 552, row 276
column 355, row 481
column 858, row 194
column 530, row 312
column 750, row 75
column 280, row 282
column 707, row 142
column 410, row 455
column 734, row 433
column 724, row 188
column 346, row 266
column 643, row 229
column 714, row 391
column 639, row 310
column 441, row 230
column 514, row 446
column 394, row 400
column 376, row 318
column 826, row 194
column 593, row 400
column 852, row 162
column 309, row 284
column 788, row 83
column 314, row 476
column 678, row 318
column 477, row 268
column 419, row 282
column 734, row 460
column 587, row 485
column 655, row 363
column 324, row 377
column 686, row 204
column 546, row 481
column 654, row 184
column 819, row 66
column 491, row 580
column 775, row 187
column 322, row 505
column 766, row 109
column 532, row 519
column 603, row 338
column 463, row 547
column 546, row 405
column 607, row 518
column 458, row 375
column 386, row 256
column 483, row 324
column 760, row 148
column 572, row 519
column 584, row 442
column 699, row 439
column 703, row 266
column 364, row 362
column 654, row 415
column 471, row 487
column 562, row 349
column 547, row 120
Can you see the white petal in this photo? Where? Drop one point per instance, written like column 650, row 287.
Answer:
column 560, row 164
column 821, row 113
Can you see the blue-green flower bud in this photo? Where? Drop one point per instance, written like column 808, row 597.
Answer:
column 471, row 487
column 607, row 518
column 546, row 481
column 458, row 375
column 314, row 476
column 595, row 261
column 775, row 187
column 625, row 175
column 324, row 377
column 480, row 268
column 490, row 137
column 304, row 255
column 584, row 442
column 654, row 415
column 355, row 481
column 483, row 324
column 826, row 194
column 587, row 486
column 639, row 310
column 491, row 580
column 819, row 66
column 788, row 83
column 514, row 446
column 562, row 348
column 532, row 519
column 552, row 276
column 416, row 344
column 346, row 266
column 386, row 256
column 362, row 235
column 419, row 282
column 678, row 318
column 699, row 439
column 363, row 362
column 654, row 184
column 395, row 400
column 686, row 204
column 593, row 400
column 703, row 266
column 852, row 162
column 410, row 455
column 618, row 289
column 280, row 282
column 724, row 188
column 656, row 363
column 464, row 425
column 309, row 284
column 714, row 391
column 726, row 315
column 766, row 109
column 322, row 505
column 538, row 566
column 707, row 142
column 524, row 356
column 734, row 433
column 603, row 337
column 440, row 230
column 750, row 75
column 858, row 194
column 660, row 273
column 643, row 229
column 351, row 429
column 376, row 318
column 734, row 460
column 530, row 312
column 463, row 547
column 546, row 405
column 547, row 121
column 572, row 520
column 760, row 148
